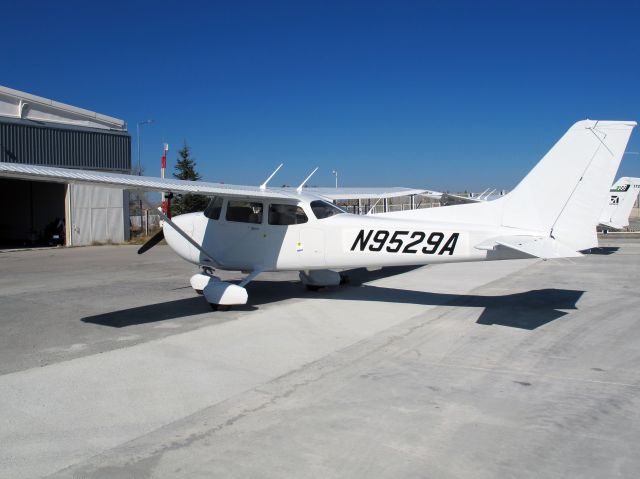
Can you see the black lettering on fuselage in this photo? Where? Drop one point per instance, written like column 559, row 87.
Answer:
column 450, row 245
column 395, row 240
column 380, row 238
column 410, row 247
column 417, row 242
column 362, row 240
column 433, row 241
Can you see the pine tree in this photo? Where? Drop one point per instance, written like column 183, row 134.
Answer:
column 185, row 169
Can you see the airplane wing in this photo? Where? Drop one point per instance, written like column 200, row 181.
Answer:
column 543, row 247
column 369, row 193
column 622, row 197
column 146, row 183
column 149, row 183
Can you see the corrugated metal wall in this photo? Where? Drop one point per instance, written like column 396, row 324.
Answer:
column 75, row 148
column 97, row 214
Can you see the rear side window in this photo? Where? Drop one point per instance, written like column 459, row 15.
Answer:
column 244, row 212
column 286, row 215
column 214, row 208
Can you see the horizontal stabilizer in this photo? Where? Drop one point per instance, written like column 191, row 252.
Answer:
column 539, row 246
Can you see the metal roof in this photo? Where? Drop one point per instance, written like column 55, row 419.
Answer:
column 25, row 106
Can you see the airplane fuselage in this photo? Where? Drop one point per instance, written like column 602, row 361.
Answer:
column 341, row 240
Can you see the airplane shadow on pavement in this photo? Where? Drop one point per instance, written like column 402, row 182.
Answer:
column 525, row 310
column 603, row 250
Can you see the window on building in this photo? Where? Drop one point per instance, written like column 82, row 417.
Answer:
column 323, row 209
column 286, row 215
column 244, row 212
column 213, row 209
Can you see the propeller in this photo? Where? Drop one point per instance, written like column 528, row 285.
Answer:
column 154, row 240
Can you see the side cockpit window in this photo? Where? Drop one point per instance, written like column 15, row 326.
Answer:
column 286, row 215
column 214, row 208
column 244, row 211
column 324, row 209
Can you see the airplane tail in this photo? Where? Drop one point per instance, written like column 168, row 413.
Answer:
column 565, row 192
column 558, row 204
column 622, row 197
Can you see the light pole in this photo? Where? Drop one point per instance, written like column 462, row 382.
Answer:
column 145, row 122
column 335, row 173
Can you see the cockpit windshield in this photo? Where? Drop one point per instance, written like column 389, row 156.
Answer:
column 323, row 209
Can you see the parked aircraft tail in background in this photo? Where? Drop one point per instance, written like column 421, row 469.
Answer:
column 622, row 197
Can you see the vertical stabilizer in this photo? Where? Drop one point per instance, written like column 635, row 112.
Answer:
column 564, row 194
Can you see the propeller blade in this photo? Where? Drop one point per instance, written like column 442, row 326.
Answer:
column 154, row 240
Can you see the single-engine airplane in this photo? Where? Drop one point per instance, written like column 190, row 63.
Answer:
column 552, row 213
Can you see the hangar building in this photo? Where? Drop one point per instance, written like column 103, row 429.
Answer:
column 38, row 131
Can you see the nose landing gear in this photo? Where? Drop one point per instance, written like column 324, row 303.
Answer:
column 200, row 281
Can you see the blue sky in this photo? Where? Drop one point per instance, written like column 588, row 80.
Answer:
column 445, row 95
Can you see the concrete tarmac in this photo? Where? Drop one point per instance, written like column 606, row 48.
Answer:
column 112, row 367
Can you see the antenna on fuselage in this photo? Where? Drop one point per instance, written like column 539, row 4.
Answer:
column 263, row 186
column 480, row 195
column 299, row 188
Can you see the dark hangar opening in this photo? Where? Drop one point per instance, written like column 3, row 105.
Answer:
column 34, row 213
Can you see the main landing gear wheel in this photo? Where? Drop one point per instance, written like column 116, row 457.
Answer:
column 222, row 295
column 316, row 280
column 220, row 307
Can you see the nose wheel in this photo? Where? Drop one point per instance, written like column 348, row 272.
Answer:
column 200, row 281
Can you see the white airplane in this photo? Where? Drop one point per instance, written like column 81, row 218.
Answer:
column 622, row 196
column 552, row 213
